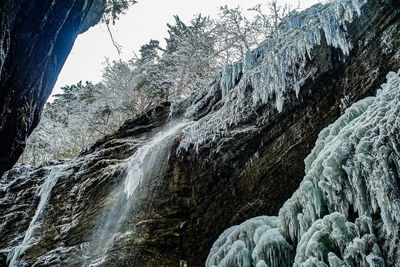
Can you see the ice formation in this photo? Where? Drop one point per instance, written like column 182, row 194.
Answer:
column 240, row 245
column 272, row 70
column 346, row 210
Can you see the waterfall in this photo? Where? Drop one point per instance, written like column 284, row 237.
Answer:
column 44, row 194
column 148, row 162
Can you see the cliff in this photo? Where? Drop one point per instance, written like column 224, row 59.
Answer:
column 162, row 189
column 35, row 40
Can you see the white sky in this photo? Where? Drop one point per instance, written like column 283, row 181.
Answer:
column 144, row 21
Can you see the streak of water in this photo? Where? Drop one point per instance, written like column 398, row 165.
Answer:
column 44, row 193
column 149, row 161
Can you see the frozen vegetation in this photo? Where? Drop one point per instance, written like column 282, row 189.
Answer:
column 194, row 52
column 235, row 248
column 346, row 210
column 273, row 70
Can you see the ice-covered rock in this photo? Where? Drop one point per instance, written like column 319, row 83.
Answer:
column 238, row 243
column 346, row 210
column 274, row 69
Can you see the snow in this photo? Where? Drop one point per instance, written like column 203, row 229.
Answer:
column 346, row 210
column 385, row 43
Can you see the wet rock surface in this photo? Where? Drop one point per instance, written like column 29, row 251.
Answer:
column 177, row 214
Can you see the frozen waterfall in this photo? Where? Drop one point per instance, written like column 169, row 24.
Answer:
column 346, row 210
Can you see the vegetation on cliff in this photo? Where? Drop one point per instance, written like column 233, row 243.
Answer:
column 195, row 52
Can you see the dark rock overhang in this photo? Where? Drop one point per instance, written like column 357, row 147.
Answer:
column 35, row 40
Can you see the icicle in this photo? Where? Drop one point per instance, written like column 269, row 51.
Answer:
column 268, row 73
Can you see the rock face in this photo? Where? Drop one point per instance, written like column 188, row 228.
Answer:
column 35, row 39
column 200, row 179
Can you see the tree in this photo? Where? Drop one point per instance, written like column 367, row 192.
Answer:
column 114, row 8
column 195, row 51
column 152, row 85
column 270, row 19
column 190, row 57
column 236, row 33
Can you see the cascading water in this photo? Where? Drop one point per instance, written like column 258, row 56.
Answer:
column 147, row 162
column 44, row 193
